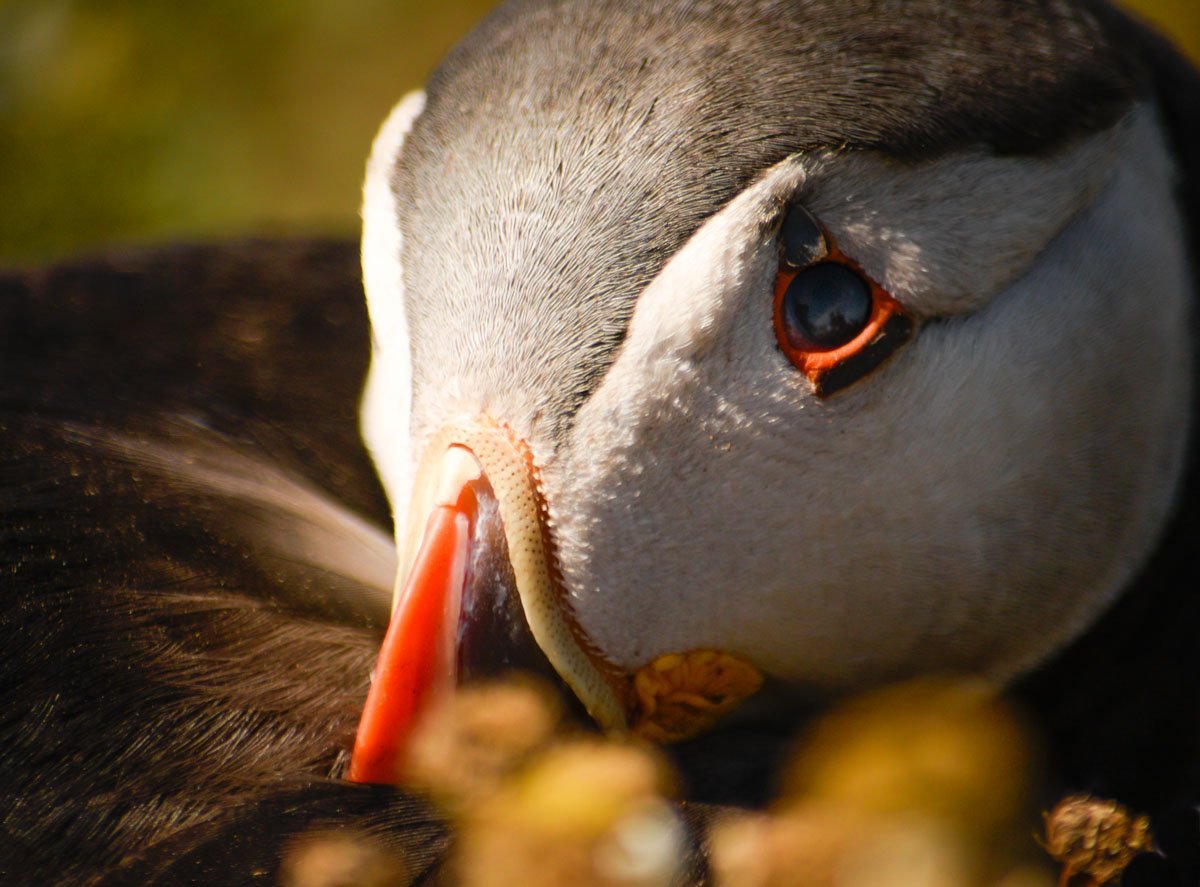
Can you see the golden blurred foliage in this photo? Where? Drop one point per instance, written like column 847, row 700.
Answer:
column 924, row 784
column 136, row 119
column 1179, row 19
column 929, row 783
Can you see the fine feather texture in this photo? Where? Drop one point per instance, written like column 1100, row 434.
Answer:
column 567, row 150
column 190, row 616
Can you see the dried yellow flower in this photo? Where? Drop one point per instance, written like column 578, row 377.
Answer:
column 682, row 694
column 1095, row 838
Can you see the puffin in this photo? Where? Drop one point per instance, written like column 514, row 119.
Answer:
column 717, row 360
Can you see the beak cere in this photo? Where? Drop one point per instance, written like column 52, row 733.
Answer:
column 471, row 474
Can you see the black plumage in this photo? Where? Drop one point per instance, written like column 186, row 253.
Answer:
column 177, row 697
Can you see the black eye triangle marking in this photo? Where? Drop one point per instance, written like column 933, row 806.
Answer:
column 801, row 241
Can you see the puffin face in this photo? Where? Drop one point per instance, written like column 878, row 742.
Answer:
column 945, row 511
column 794, row 345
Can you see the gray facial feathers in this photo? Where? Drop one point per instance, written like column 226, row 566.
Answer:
column 1175, row 85
column 567, row 150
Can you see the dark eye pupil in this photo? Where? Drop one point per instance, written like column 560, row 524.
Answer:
column 825, row 306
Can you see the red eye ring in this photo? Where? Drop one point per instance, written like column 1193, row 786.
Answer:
column 887, row 327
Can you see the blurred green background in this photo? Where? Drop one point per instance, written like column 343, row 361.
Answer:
column 131, row 120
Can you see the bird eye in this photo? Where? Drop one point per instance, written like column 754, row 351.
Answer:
column 824, row 307
column 834, row 323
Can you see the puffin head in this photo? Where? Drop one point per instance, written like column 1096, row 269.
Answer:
column 814, row 343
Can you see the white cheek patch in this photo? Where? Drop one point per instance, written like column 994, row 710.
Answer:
column 680, row 321
column 972, row 505
column 387, row 400
column 711, row 268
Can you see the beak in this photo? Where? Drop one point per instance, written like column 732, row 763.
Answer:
column 417, row 657
column 471, row 478
column 482, row 592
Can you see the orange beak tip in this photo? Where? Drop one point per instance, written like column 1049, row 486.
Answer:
column 418, row 653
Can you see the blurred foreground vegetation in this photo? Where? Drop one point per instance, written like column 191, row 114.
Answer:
column 931, row 783
column 124, row 120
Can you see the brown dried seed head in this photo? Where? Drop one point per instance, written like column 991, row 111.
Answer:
column 1095, row 837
